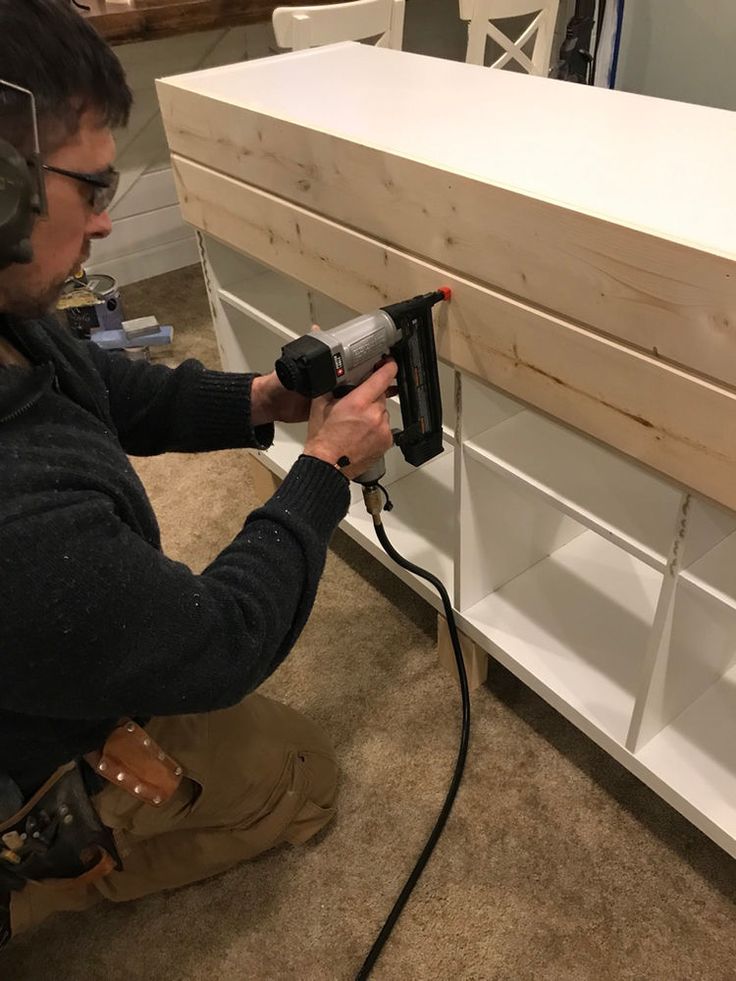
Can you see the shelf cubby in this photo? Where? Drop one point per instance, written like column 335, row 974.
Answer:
column 692, row 761
column 608, row 589
column 562, row 606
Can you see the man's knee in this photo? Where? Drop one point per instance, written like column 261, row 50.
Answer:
column 321, row 776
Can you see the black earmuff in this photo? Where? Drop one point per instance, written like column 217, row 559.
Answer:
column 22, row 190
column 18, row 206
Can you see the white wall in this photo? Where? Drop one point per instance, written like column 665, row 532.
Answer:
column 149, row 236
column 680, row 49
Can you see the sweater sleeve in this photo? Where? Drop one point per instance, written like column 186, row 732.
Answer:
column 111, row 627
column 187, row 409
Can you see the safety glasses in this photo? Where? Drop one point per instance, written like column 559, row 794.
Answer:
column 104, row 184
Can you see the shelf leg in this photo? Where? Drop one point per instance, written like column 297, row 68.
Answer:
column 474, row 657
column 265, row 482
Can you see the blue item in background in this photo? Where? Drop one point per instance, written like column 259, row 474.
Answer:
column 118, row 340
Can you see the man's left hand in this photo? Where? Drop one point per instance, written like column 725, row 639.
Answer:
column 271, row 402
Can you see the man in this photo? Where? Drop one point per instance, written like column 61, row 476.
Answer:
column 100, row 632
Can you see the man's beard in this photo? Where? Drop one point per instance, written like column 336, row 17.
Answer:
column 33, row 306
column 27, row 304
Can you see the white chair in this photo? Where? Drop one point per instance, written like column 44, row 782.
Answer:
column 481, row 15
column 307, row 27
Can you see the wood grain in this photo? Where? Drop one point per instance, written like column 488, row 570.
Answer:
column 672, row 298
column 681, row 425
column 145, row 20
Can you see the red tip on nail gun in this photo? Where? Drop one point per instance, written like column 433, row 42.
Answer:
column 446, row 292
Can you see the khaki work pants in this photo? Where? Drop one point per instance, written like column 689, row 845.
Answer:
column 256, row 775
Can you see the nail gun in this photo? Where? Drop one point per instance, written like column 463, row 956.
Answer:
column 338, row 360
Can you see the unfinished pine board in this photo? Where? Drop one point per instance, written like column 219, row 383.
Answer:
column 622, row 221
column 575, row 627
column 264, row 480
column 692, row 762
column 475, row 659
column 676, row 423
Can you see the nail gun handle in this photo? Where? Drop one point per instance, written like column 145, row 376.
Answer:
column 377, row 470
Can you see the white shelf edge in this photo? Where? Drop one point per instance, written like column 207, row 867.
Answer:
column 233, row 300
column 698, row 585
column 573, row 510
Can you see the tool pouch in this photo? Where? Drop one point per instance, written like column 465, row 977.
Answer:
column 56, row 835
column 133, row 761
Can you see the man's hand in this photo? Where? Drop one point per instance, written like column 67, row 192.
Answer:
column 356, row 426
column 271, row 402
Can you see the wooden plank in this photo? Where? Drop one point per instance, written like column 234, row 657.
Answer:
column 475, row 658
column 613, row 221
column 143, row 20
column 265, row 483
column 678, row 424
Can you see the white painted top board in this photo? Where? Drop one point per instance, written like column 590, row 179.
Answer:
column 658, row 166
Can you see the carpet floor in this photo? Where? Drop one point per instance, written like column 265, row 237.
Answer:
column 556, row 865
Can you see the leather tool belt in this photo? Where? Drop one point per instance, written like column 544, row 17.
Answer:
column 57, row 833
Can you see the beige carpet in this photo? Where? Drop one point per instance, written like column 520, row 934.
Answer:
column 556, row 863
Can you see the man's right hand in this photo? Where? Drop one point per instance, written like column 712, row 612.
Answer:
column 356, row 426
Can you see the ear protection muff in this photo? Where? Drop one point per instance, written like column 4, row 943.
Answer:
column 22, row 191
column 18, row 206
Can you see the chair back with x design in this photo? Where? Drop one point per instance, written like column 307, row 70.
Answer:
column 482, row 15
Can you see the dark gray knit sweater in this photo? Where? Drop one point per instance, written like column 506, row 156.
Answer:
column 96, row 623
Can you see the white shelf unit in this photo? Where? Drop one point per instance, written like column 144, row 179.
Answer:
column 605, row 587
